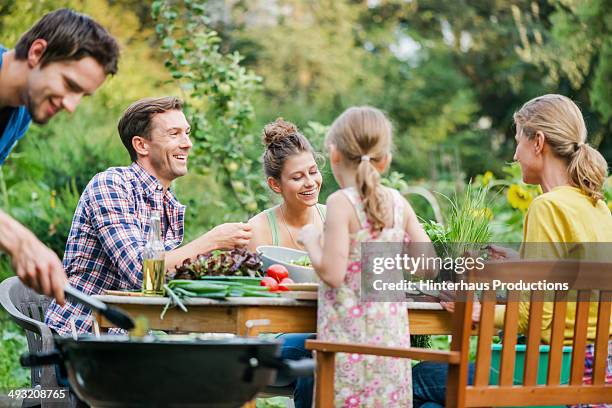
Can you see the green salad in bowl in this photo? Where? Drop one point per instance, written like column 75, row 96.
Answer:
column 297, row 262
column 302, row 261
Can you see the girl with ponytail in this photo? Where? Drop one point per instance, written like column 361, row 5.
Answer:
column 359, row 143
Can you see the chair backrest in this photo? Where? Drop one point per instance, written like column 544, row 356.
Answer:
column 27, row 308
column 582, row 277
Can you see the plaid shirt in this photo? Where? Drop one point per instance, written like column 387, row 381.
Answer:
column 109, row 230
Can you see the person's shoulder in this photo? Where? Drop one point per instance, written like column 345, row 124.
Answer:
column 562, row 203
column 261, row 230
column 338, row 197
column 339, row 205
column 259, row 220
column 394, row 193
column 113, row 177
column 559, row 199
column 544, row 203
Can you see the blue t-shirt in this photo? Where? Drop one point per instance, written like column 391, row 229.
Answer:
column 15, row 123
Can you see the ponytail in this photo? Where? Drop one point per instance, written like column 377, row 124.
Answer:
column 368, row 186
column 363, row 135
column 562, row 124
column 588, row 171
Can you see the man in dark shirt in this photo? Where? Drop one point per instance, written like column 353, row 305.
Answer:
column 63, row 57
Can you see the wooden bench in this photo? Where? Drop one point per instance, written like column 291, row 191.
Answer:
column 581, row 276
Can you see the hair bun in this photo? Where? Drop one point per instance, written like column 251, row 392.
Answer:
column 278, row 130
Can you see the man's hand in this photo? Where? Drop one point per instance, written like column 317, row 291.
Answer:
column 38, row 267
column 230, row 235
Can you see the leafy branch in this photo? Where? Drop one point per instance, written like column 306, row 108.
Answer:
column 217, row 92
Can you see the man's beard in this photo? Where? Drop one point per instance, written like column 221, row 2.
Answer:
column 31, row 107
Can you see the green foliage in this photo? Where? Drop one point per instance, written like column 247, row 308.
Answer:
column 47, row 212
column 12, row 344
column 573, row 44
column 469, row 216
column 274, row 402
column 218, row 91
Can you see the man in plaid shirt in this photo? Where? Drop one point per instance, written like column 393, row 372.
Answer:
column 111, row 223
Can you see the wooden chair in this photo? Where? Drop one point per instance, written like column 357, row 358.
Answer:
column 581, row 276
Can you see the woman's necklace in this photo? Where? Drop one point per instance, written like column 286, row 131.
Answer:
column 287, row 227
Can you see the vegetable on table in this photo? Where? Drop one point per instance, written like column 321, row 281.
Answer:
column 220, row 289
column 277, row 272
column 235, row 262
column 270, row 283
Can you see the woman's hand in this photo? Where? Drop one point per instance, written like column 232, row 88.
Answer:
column 447, row 301
column 450, row 307
column 497, row 252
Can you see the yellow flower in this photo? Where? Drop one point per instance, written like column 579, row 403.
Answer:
column 610, row 205
column 52, row 199
column 518, row 197
column 487, row 177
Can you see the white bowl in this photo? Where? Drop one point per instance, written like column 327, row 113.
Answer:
column 280, row 255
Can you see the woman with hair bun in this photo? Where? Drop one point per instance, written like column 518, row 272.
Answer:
column 290, row 165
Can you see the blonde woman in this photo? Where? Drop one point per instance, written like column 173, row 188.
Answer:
column 552, row 151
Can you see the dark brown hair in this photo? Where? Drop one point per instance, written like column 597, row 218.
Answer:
column 70, row 36
column 282, row 140
column 136, row 120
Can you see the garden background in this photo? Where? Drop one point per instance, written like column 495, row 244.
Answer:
column 449, row 74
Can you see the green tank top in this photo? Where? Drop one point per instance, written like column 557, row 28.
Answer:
column 274, row 225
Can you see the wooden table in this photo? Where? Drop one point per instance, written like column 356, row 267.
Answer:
column 230, row 316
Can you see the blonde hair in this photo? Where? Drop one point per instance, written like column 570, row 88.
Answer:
column 562, row 124
column 362, row 135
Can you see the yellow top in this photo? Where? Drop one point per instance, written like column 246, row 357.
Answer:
column 563, row 216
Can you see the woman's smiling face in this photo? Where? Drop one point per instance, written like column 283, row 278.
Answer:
column 301, row 180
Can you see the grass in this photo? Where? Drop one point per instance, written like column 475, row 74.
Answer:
column 12, row 344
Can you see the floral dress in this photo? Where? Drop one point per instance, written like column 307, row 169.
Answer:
column 361, row 380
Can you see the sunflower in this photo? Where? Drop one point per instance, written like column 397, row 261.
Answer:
column 518, row 197
column 487, row 177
